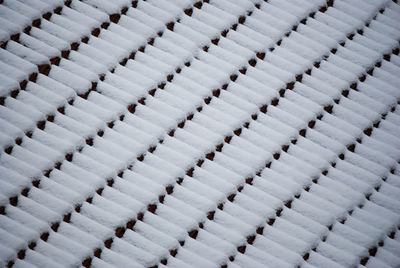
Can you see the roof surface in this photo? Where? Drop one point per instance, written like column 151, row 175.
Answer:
column 174, row 133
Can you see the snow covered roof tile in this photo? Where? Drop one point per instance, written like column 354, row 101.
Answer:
column 209, row 133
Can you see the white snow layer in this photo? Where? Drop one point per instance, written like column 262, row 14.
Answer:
column 241, row 133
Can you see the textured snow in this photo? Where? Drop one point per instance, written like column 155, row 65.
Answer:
column 210, row 134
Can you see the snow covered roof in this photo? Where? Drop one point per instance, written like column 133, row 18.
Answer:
column 218, row 133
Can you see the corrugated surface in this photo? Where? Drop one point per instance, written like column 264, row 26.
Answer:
column 199, row 134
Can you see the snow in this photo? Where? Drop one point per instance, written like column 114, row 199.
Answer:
column 199, row 143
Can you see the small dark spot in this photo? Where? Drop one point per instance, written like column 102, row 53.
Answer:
column 263, row 109
column 372, row 251
column 95, row 32
column 36, row 23
column 67, row 217
column 271, row 221
column 210, row 215
column 78, row 208
column 55, row 226
column 21, row 254
column 198, row 4
column 328, row 109
column 278, row 212
column 190, row 172
column 108, row 243
column 364, row 261
column 162, row 85
column 237, row 132
column 32, row 245
column 110, row 182
column 322, row 9
column 68, row 157
column 170, row 25
column 368, row 131
column 188, row 11
column 115, row 17
column 97, row 252
column 193, row 234
column 253, row 62
column 169, row 189
column 36, row 183
column 46, row 16
column 260, row 55
column 219, row 147
column 250, row 239
column 170, row 77
column 41, row 124
column 44, row 236
column 392, row 235
column 351, row 147
column 140, row 158
column 215, row 41
column 242, row 249
column 200, row 162
column 241, row 19
column 173, row 252
column 25, row 192
column 207, row 100
column 13, row 200
column 119, row 232
column 8, row 150
column 249, row 180
column 87, row 262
